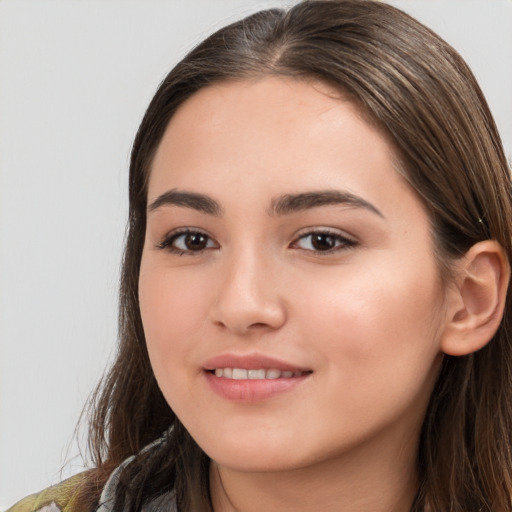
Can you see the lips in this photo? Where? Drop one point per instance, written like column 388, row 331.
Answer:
column 261, row 373
column 252, row 378
column 251, row 362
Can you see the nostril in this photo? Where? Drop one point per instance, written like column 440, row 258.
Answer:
column 257, row 325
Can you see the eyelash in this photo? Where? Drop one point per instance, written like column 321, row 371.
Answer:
column 341, row 242
column 169, row 241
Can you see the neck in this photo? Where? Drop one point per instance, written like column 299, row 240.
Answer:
column 380, row 481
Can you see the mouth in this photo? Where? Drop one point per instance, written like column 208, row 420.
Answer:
column 252, row 378
column 256, row 374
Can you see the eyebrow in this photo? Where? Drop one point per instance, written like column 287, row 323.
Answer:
column 291, row 203
column 199, row 202
column 283, row 205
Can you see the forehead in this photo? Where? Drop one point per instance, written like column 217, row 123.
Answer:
column 273, row 127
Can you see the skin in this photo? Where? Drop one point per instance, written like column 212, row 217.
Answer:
column 365, row 318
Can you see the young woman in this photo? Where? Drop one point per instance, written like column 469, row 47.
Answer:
column 313, row 303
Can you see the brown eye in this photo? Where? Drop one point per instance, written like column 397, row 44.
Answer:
column 323, row 241
column 187, row 242
column 195, row 241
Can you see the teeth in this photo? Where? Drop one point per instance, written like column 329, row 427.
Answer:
column 256, row 374
column 242, row 374
column 273, row 374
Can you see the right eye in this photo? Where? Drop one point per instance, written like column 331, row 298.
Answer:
column 187, row 242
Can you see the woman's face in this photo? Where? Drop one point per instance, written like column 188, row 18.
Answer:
column 290, row 297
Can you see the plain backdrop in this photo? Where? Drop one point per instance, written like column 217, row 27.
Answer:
column 75, row 78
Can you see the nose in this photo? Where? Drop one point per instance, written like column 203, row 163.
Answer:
column 248, row 298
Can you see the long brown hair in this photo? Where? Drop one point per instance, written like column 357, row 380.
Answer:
column 422, row 94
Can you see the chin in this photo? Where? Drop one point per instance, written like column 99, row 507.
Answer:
column 256, row 457
column 261, row 465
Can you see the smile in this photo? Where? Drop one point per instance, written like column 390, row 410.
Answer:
column 257, row 374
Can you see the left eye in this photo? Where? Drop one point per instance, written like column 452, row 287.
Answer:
column 320, row 241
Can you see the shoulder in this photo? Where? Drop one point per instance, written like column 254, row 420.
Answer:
column 62, row 497
column 65, row 497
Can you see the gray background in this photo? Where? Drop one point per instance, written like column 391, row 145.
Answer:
column 75, row 78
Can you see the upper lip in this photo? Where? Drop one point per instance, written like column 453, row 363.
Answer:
column 250, row 362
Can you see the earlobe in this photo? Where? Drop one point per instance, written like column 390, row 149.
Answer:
column 477, row 300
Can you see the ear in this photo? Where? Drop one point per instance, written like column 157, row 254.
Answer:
column 476, row 300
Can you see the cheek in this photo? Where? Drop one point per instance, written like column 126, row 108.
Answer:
column 384, row 320
column 378, row 349
column 172, row 311
column 163, row 310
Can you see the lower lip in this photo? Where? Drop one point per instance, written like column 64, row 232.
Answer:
column 252, row 390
